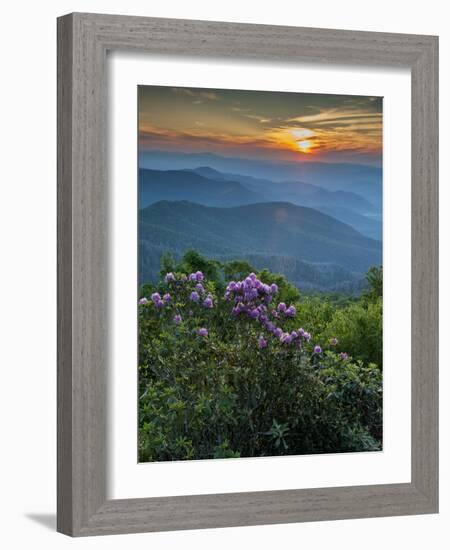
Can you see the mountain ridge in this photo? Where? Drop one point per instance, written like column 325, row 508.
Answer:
column 265, row 229
column 334, row 176
column 155, row 185
column 205, row 185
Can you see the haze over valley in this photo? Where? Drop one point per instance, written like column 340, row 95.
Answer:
column 321, row 237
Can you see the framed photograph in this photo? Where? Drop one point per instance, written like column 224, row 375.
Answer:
column 247, row 274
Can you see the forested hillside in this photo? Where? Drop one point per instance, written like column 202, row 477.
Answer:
column 310, row 247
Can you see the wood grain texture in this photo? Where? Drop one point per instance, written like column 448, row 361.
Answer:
column 64, row 252
column 83, row 41
column 425, row 272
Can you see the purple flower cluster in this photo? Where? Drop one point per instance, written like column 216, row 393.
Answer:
column 296, row 336
column 250, row 296
column 194, row 297
column 169, row 278
column 283, row 310
column 196, row 277
column 197, row 295
column 157, row 300
column 208, row 302
column 302, row 332
column 262, row 342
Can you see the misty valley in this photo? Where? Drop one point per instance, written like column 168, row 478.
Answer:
column 322, row 232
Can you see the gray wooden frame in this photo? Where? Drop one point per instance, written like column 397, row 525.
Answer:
column 83, row 41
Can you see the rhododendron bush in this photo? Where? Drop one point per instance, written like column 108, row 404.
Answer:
column 228, row 368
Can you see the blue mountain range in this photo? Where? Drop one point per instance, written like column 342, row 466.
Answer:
column 320, row 236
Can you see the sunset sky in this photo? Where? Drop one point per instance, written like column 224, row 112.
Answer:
column 264, row 125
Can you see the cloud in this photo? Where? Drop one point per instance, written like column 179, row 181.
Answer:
column 259, row 118
column 194, row 92
column 344, row 117
column 210, row 95
column 343, row 128
column 239, row 109
column 279, row 127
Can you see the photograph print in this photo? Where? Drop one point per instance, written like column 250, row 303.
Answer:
column 260, row 278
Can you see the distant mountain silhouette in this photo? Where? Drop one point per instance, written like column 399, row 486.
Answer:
column 176, row 185
column 345, row 206
column 366, row 225
column 293, row 191
column 210, row 173
column 358, row 178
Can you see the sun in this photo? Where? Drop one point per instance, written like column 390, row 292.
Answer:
column 304, row 145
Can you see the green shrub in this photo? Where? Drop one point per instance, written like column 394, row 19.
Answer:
column 360, row 330
column 229, row 372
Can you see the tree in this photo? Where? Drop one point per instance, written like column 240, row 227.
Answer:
column 374, row 277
